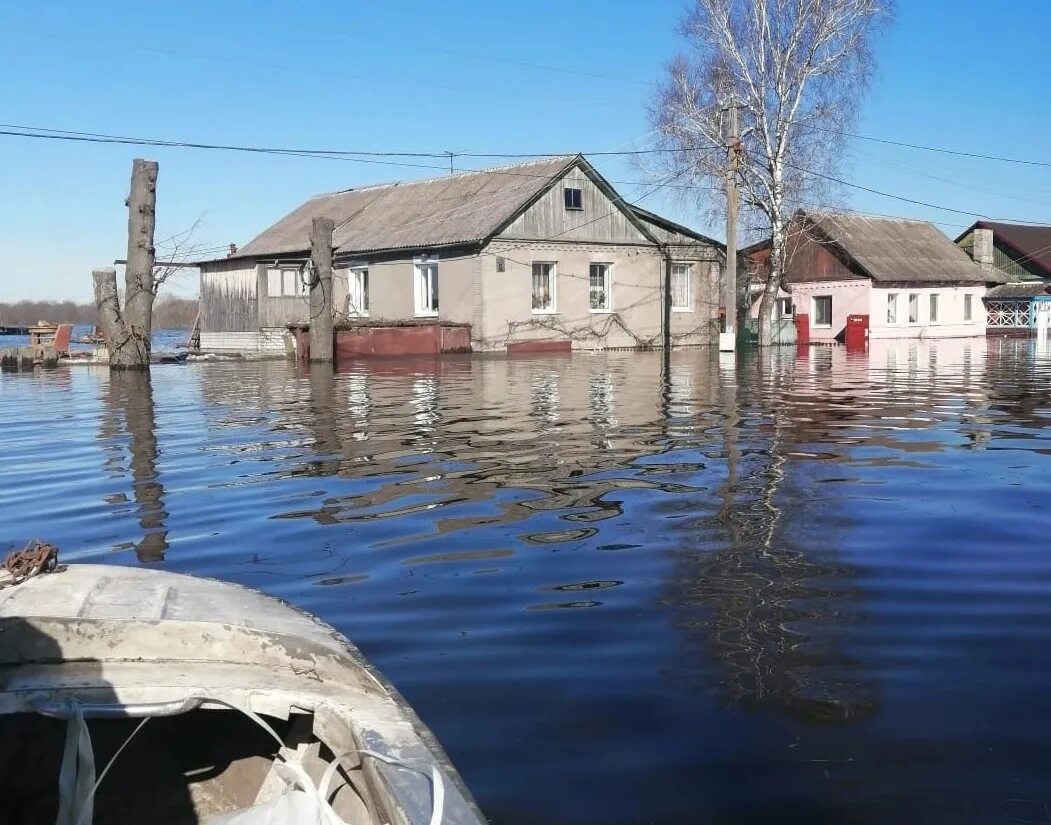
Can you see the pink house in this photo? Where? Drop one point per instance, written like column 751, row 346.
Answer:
column 909, row 279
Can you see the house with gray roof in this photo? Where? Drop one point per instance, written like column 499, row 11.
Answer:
column 906, row 276
column 543, row 253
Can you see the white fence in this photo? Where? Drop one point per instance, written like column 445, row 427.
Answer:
column 1012, row 314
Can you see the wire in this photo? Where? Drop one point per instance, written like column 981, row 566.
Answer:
column 373, row 157
column 922, row 148
column 99, row 137
column 909, row 200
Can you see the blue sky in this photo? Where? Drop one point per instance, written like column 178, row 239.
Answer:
column 545, row 76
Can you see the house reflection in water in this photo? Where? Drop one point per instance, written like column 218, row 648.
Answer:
column 441, row 456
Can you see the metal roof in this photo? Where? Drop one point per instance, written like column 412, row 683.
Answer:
column 895, row 249
column 1026, row 289
column 455, row 209
column 666, row 229
column 1032, row 243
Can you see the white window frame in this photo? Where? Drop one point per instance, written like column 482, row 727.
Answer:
column 358, row 285
column 913, row 308
column 892, row 309
column 286, row 282
column 933, row 308
column 423, row 303
column 781, row 308
column 813, row 307
column 687, row 272
column 968, row 308
column 553, row 309
column 608, row 287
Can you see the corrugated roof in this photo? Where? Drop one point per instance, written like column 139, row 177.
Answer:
column 665, row 230
column 1033, row 243
column 1018, row 290
column 897, row 250
column 454, row 209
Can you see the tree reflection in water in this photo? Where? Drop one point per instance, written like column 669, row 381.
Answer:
column 769, row 615
column 129, row 411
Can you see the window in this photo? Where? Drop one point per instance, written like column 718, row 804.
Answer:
column 968, row 310
column 785, row 308
column 934, row 308
column 358, row 291
column 680, row 288
column 501, row 263
column 822, row 310
column 574, row 198
column 544, row 287
column 892, row 308
column 426, row 287
column 286, row 282
column 600, row 279
column 914, row 308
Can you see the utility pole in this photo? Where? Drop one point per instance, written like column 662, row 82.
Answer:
column 731, row 134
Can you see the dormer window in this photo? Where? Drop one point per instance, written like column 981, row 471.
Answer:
column 574, row 198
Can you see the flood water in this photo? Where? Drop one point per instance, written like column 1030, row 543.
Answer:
column 808, row 588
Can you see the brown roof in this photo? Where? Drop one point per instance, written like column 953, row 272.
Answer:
column 454, row 209
column 896, row 250
column 1033, row 243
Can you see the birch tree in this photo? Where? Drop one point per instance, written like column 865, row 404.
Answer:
column 796, row 70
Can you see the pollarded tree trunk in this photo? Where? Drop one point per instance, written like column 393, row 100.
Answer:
column 128, row 332
column 138, row 273
column 321, row 289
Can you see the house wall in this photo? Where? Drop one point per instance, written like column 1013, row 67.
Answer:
column 848, row 298
column 599, row 220
column 637, row 285
column 863, row 298
column 228, row 297
column 392, row 288
column 950, row 324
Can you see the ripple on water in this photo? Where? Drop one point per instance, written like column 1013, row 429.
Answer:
column 807, row 587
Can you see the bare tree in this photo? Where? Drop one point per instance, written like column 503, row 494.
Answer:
column 128, row 329
column 796, row 70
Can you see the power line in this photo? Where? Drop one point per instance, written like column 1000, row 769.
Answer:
column 909, row 200
column 375, row 158
column 920, row 147
column 97, row 137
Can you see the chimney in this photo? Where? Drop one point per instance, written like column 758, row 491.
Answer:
column 982, row 249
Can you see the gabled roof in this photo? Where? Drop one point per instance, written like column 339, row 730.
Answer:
column 1033, row 243
column 895, row 249
column 456, row 209
column 669, row 228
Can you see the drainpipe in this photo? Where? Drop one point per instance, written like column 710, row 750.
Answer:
column 666, row 299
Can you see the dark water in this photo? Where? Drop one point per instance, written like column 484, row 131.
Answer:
column 808, row 589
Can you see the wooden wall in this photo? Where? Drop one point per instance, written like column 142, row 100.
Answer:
column 599, row 221
column 228, row 297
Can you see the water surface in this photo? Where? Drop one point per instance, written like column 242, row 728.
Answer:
column 812, row 587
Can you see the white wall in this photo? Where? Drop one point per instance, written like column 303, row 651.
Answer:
column 848, row 298
column 862, row 298
column 950, row 323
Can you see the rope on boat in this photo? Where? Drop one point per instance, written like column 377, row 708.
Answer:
column 34, row 559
